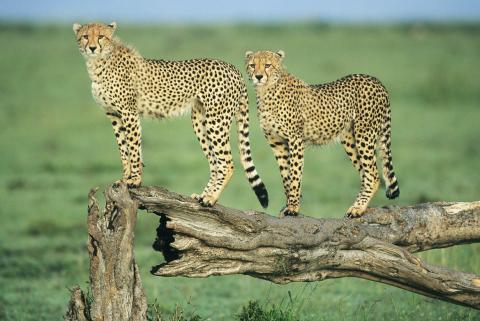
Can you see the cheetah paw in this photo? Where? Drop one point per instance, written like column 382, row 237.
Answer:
column 287, row 212
column 130, row 182
column 118, row 183
column 207, row 201
column 198, row 198
column 355, row 211
column 133, row 183
column 195, row 196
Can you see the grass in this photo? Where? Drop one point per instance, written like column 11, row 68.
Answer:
column 56, row 144
column 255, row 312
column 154, row 313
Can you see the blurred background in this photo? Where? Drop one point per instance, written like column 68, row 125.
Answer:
column 56, row 143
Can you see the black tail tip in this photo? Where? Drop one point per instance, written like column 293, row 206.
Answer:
column 393, row 193
column 262, row 194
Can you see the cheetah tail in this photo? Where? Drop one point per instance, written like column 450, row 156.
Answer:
column 391, row 182
column 246, row 155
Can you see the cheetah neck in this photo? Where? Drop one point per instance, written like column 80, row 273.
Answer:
column 269, row 91
column 97, row 65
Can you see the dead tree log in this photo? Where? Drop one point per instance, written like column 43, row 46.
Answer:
column 77, row 309
column 116, row 288
column 199, row 242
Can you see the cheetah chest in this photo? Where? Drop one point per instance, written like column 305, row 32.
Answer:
column 97, row 93
column 273, row 122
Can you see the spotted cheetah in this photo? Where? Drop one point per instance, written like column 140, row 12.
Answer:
column 128, row 86
column 293, row 114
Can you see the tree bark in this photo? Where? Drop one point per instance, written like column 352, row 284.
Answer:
column 117, row 292
column 77, row 309
column 198, row 242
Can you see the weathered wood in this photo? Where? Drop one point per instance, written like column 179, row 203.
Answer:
column 199, row 242
column 77, row 307
column 117, row 292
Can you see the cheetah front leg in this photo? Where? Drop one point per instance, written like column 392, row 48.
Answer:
column 120, row 137
column 127, row 130
column 131, row 122
column 280, row 151
column 296, row 149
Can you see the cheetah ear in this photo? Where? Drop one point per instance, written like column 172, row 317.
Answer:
column 281, row 54
column 113, row 25
column 76, row 27
column 248, row 54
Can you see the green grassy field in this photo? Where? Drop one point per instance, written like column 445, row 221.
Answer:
column 56, row 144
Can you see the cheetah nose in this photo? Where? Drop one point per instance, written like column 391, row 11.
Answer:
column 92, row 49
column 259, row 77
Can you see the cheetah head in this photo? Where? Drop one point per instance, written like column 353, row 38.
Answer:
column 94, row 39
column 264, row 67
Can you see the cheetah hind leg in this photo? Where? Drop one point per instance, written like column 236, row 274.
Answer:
column 217, row 129
column 365, row 146
column 199, row 122
column 391, row 182
column 348, row 143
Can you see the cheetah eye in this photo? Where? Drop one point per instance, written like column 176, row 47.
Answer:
column 267, row 65
column 100, row 37
column 252, row 65
column 85, row 36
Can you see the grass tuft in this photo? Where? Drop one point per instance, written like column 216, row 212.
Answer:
column 154, row 313
column 254, row 311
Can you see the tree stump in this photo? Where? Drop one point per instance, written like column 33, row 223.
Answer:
column 117, row 292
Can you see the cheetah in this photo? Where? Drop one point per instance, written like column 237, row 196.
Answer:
column 129, row 86
column 354, row 109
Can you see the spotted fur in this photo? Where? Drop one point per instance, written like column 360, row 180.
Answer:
column 128, row 86
column 293, row 114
